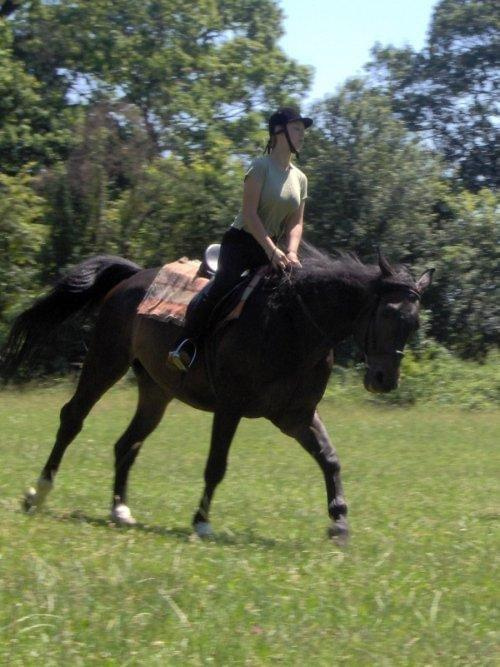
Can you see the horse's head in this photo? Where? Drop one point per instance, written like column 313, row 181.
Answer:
column 386, row 323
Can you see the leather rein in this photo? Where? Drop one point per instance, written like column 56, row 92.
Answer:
column 369, row 311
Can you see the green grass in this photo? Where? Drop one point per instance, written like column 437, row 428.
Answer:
column 417, row 584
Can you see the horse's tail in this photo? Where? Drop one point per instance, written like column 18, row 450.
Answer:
column 81, row 288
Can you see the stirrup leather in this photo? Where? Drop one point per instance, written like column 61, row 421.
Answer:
column 184, row 355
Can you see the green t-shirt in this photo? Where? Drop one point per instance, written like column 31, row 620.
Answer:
column 281, row 194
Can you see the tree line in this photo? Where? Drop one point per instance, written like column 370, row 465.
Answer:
column 125, row 128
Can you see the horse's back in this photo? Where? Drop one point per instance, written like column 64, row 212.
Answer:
column 149, row 340
column 117, row 320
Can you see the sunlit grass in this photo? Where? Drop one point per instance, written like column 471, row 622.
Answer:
column 416, row 586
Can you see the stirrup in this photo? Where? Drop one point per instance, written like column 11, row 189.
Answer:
column 181, row 358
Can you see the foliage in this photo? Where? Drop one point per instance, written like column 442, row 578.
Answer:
column 28, row 131
column 448, row 92
column 167, row 210
column 465, row 299
column 21, row 237
column 177, row 209
column 191, row 73
column 109, row 154
column 136, row 119
column 430, row 376
column 372, row 184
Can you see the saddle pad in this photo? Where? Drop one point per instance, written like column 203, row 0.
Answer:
column 171, row 291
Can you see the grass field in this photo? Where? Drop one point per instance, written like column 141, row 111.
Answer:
column 417, row 585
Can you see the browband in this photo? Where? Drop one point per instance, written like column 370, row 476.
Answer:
column 395, row 287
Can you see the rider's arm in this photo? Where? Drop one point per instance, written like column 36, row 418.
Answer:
column 293, row 232
column 251, row 193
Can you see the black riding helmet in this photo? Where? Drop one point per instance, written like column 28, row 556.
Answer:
column 282, row 117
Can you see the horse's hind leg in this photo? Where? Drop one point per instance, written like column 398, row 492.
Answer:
column 102, row 368
column 223, row 429
column 150, row 409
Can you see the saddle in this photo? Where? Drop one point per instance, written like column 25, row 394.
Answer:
column 177, row 283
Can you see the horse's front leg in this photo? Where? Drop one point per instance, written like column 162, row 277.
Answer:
column 224, row 427
column 313, row 436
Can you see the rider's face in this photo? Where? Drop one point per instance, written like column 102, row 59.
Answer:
column 296, row 130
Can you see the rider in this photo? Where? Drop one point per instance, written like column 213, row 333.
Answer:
column 274, row 194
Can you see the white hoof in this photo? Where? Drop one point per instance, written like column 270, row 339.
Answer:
column 29, row 500
column 122, row 515
column 34, row 498
column 203, row 529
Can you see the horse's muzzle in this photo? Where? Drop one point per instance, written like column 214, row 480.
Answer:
column 382, row 374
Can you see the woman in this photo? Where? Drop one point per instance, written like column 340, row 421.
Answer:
column 274, row 194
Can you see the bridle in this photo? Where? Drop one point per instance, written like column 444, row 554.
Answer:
column 369, row 313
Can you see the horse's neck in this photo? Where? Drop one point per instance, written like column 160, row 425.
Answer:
column 334, row 304
column 299, row 328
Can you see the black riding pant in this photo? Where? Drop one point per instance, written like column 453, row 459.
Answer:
column 239, row 251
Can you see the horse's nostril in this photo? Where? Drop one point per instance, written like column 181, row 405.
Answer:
column 379, row 377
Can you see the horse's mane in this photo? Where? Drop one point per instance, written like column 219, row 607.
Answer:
column 318, row 263
column 319, row 266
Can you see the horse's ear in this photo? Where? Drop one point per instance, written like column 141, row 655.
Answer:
column 384, row 265
column 425, row 280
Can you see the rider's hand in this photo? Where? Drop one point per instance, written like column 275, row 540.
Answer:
column 279, row 260
column 293, row 259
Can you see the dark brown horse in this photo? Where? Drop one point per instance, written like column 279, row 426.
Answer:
column 273, row 362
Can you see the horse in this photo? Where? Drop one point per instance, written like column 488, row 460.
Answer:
column 274, row 361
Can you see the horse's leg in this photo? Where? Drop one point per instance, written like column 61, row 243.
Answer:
column 223, row 429
column 102, row 368
column 150, row 409
column 313, row 436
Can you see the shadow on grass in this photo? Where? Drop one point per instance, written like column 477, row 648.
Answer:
column 180, row 533
column 489, row 516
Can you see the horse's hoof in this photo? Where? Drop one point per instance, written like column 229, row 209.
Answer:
column 339, row 531
column 28, row 503
column 122, row 515
column 203, row 529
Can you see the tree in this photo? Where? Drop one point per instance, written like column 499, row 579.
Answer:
column 21, row 237
column 8, row 7
column 371, row 183
column 109, row 154
column 176, row 209
column 193, row 71
column 28, row 131
column 448, row 92
column 465, row 295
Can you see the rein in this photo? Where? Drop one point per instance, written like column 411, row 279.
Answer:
column 371, row 309
column 310, row 317
column 325, row 336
